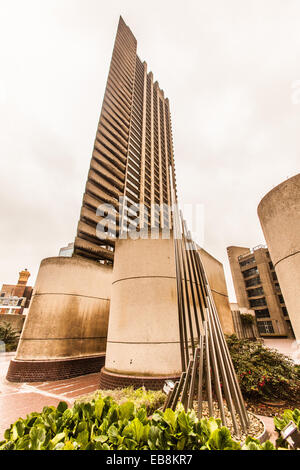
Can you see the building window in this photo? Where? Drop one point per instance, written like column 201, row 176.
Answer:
column 257, row 302
column 284, row 311
column 253, row 282
column 255, row 292
column 247, row 261
column 250, row 272
column 263, row 313
column 265, row 327
column 281, row 299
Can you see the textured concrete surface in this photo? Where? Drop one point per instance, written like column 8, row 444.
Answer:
column 278, row 213
column 285, row 346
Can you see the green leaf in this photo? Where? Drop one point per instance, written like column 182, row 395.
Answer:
column 37, row 435
column 181, row 443
column 83, row 437
column 183, row 422
column 68, row 446
column 170, row 418
column 212, row 424
column 126, row 410
column 8, row 446
column 130, row 444
column 267, row 446
column 62, row 406
column 113, row 434
column 113, row 414
column 137, row 429
column 18, row 430
column 142, row 415
column 101, row 438
column 220, row 439
column 251, row 446
column 59, row 446
column 59, row 437
column 23, row 443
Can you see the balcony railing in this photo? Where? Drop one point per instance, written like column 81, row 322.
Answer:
column 252, row 250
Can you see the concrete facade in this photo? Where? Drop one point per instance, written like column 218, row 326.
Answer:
column 257, row 287
column 216, row 278
column 143, row 336
column 132, row 154
column 68, row 315
column 279, row 215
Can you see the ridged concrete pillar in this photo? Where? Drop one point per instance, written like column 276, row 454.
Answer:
column 143, row 345
column 279, row 214
column 65, row 331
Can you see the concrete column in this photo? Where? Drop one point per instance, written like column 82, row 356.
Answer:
column 216, row 278
column 143, row 336
column 65, row 330
column 279, row 214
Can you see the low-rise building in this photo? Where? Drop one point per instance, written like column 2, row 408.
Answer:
column 14, row 298
column 257, row 287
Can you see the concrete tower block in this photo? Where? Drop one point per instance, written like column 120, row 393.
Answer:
column 279, row 214
column 66, row 327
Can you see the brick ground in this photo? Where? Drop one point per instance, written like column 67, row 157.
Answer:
column 17, row 400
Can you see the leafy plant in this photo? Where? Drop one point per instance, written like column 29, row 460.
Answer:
column 9, row 336
column 263, row 372
column 150, row 399
column 102, row 424
column 282, row 421
column 247, row 318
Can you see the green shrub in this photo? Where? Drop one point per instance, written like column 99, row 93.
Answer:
column 150, row 399
column 9, row 336
column 102, row 424
column 263, row 372
column 247, row 318
column 282, row 421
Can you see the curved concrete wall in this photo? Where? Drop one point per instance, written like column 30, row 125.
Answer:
column 279, row 214
column 68, row 315
column 143, row 333
column 216, row 278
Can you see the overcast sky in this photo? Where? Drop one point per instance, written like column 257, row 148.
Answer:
column 227, row 66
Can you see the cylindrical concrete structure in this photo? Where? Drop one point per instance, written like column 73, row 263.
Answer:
column 143, row 346
column 279, row 214
column 65, row 331
column 216, row 278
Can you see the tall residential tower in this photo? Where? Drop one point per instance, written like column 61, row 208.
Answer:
column 132, row 154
